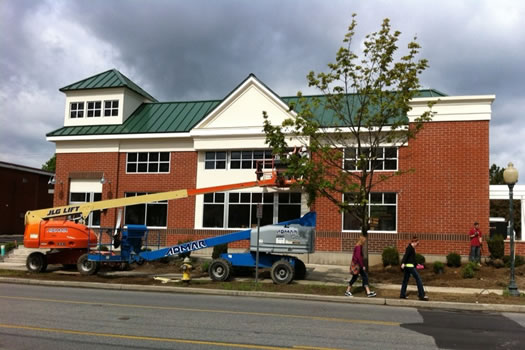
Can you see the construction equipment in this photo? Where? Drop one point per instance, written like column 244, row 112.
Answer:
column 293, row 237
column 71, row 242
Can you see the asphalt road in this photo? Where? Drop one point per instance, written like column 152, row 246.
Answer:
column 39, row 317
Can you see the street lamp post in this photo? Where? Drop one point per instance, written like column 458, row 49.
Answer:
column 510, row 176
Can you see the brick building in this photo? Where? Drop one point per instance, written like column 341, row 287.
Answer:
column 22, row 188
column 115, row 131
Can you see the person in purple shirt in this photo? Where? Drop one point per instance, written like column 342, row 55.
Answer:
column 357, row 258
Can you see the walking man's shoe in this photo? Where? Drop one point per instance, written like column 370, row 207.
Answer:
column 405, row 297
column 371, row 294
column 348, row 294
column 425, row 298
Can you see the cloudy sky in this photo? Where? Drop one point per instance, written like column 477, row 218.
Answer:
column 193, row 50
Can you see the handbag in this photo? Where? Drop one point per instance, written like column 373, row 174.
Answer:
column 354, row 268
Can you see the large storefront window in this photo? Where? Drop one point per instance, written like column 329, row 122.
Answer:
column 152, row 214
column 239, row 210
column 382, row 210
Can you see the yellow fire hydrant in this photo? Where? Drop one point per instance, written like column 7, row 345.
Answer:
column 186, row 270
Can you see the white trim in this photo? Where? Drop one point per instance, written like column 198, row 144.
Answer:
column 468, row 99
column 227, row 132
column 119, row 136
column 453, row 108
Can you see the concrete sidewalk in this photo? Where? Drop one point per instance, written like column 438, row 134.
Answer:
column 336, row 274
column 317, row 274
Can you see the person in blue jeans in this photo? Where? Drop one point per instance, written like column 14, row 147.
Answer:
column 408, row 264
column 358, row 259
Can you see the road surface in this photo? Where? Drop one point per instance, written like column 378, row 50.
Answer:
column 39, row 317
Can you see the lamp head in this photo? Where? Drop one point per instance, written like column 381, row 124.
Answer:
column 510, row 174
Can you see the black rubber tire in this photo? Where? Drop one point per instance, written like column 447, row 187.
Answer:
column 86, row 267
column 300, row 270
column 36, row 262
column 282, row 272
column 219, row 270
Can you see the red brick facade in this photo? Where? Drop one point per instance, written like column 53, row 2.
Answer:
column 446, row 191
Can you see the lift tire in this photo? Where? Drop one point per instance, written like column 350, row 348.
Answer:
column 219, row 270
column 282, row 272
column 300, row 270
column 86, row 267
column 36, row 262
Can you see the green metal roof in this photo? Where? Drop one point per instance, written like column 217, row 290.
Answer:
column 166, row 117
column 327, row 117
column 109, row 79
column 180, row 117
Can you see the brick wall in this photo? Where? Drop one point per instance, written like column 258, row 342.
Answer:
column 183, row 174
column 446, row 190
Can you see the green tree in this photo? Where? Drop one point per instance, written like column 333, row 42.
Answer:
column 50, row 165
column 367, row 97
column 496, row 175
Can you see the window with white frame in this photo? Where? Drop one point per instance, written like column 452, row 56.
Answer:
column 110, row 108
column 148, row 162
column 238, row 209
column 85, row 197
column 152, row 214
column 213, row 211
column 382, row 211
column 76, row 110
column 215, row 160
column 249, row 159
column 94, row 109
column 381, row 158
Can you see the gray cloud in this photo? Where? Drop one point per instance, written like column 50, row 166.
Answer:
column 180, row 50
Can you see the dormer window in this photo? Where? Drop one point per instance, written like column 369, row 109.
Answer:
column 94, row 109
column 111, row 108
column 77, row 110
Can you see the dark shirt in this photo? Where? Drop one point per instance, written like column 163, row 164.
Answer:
column 410, row 256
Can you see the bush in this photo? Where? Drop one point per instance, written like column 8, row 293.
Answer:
column 453, row 259
column 390, row 256
column 518, row 260
column 438, row 267
column 420, row 259
column 496, row 247
column 218, row 250
column 205, row 266
column 468, row 270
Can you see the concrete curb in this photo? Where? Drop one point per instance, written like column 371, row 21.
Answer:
column 313, row 297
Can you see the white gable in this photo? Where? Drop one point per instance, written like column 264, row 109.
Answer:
column 244, row 107
column 238, row 121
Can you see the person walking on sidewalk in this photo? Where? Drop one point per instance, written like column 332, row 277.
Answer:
column 475, row 244
column 408, row 264
column 357, row 267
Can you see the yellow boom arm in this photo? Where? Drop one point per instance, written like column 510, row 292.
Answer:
column 85, row 209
